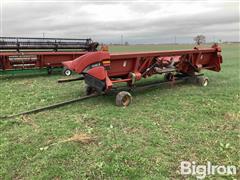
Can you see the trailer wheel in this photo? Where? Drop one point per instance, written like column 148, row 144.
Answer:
column 49, row 70
column 67, row 72
column 90, row 90
column 168, row 76
column 203, row 81
column 123, row 98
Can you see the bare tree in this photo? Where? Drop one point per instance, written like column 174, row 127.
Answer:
column 199, row 39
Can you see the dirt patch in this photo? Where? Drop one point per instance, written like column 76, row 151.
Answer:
column 82, row 138
column 232, row 116
column 29, row 121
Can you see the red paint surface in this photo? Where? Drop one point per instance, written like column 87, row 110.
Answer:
column 122, row 64
column 41, row 59
column 97, row 72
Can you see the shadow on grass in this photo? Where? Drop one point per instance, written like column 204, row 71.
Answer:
column 28, row 75
column 110, row 98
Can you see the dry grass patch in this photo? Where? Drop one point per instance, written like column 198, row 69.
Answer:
column 82, row 138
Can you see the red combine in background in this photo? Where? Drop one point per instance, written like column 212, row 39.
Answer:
column 101, row 70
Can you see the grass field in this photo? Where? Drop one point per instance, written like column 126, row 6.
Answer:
column 95, row 139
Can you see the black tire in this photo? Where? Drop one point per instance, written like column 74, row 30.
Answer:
column 49, row 70
column 90, row 90
column 203, row 81
column 168, row 76
column 123, row 98
column 67, row 72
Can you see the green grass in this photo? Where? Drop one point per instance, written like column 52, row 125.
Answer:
column 148, row 139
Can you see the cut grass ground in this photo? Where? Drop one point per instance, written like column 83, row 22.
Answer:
column 150, row 138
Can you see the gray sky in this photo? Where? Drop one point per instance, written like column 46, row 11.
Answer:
column 138, row 21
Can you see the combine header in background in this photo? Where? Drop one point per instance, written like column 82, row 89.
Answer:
column 102, row 70
column 19, row 53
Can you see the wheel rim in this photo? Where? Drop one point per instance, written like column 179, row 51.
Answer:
column 125, row 100
column 205, row 83
column 170, row 77
column 67, row 72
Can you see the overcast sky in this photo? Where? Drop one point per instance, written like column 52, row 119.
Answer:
column 138, row 21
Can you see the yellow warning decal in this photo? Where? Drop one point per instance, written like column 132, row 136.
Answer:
column 106, row 62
